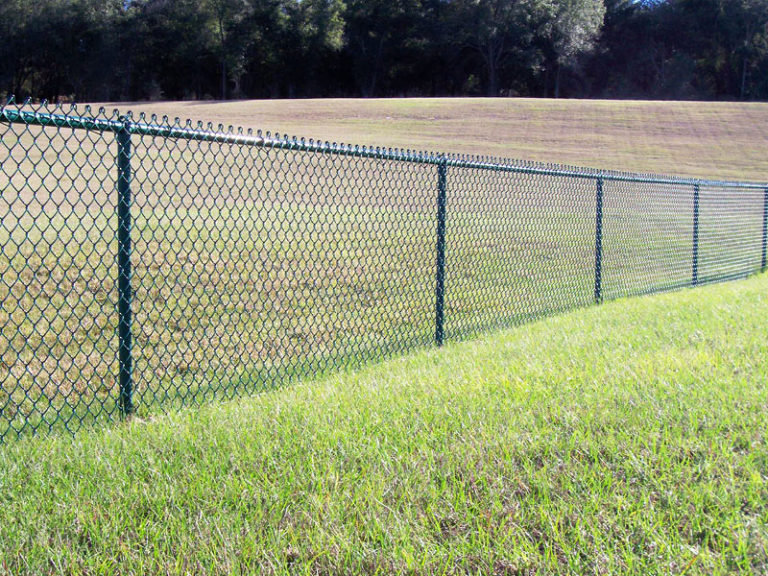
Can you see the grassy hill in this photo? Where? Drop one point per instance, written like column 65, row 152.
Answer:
column 696, row 139
column 627, row 438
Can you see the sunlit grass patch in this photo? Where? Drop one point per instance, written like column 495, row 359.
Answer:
column 627, row 438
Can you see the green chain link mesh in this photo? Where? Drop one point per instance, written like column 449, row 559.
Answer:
column 252, row 259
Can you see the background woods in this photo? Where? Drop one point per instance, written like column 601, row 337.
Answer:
column 196, row 49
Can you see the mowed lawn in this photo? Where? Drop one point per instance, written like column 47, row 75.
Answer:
column 627, row 438
column 725, row 140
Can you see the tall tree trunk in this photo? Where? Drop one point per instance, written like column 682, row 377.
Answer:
column 491, row 56
column 493, row 80
column 223, row 41
column 223, row 78
column 19, row 78
column 744, row 78
column 376, row 67
column 557, row 81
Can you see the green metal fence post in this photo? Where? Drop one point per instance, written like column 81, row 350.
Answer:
column 765, row 230
column 599, row 243
column 125, row 354
column 442, row 169
column 695, row 279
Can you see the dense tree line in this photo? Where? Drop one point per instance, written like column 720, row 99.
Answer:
column 138, row 49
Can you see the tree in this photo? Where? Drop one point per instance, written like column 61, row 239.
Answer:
column 742, row 27
column 496, row 30
column 379, row 38
column 16, row 31
column 231, row 42
column 753, row 29
column 574, row 27
column 173, row 50
column 133, row 49
column 315, row 36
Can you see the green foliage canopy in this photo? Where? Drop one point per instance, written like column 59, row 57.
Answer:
column 136, row 49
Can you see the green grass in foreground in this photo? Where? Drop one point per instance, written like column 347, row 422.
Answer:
column 628, row 438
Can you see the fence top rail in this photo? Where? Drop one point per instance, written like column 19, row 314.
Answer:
column 56, row 115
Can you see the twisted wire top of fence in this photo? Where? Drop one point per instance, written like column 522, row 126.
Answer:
column 148, row 263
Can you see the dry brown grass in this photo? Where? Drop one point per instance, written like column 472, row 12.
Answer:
column 696, row 139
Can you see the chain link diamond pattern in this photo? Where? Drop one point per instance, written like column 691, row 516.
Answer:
column 254, row 259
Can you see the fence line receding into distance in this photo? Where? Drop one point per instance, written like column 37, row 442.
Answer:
column 147, row 262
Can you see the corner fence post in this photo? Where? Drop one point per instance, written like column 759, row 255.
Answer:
column 442, row 169
column 125, row 355
column 765, row 230
column 695, row 278
column 599, row 243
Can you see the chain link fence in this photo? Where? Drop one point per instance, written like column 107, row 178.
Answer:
column 150, row 264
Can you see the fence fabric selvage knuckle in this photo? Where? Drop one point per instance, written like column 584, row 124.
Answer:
column 154, row 264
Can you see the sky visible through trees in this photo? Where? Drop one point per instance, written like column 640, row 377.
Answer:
column 205, row 49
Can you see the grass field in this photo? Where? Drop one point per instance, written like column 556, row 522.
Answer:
column 697, row 139
column 251, row 266
column 624, row 439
